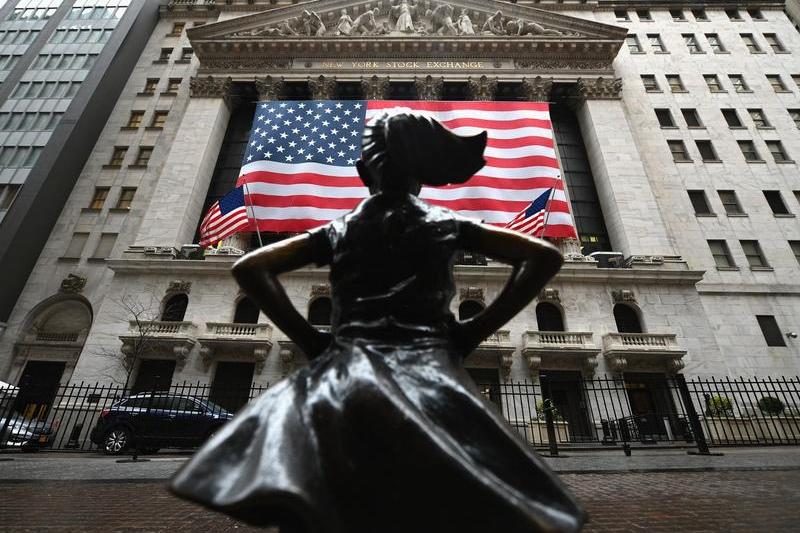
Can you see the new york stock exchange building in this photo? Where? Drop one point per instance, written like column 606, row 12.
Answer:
column 675, row 125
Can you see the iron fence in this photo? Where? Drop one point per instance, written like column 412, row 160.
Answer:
column 555, row 412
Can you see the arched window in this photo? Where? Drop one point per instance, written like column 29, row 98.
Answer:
column 627, row 319
column 469, row 308
column 319, row 312
column 548, row 317
column 246, row 312
column 175, row 308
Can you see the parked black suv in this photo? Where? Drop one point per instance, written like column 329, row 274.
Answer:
column 157, row 420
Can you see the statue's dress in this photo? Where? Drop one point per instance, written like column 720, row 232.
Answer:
column 384, row 432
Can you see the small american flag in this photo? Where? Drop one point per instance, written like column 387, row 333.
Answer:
column 532, row 219
column 226, row 217
column 300, row 171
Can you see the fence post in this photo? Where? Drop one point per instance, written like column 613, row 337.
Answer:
column 694, row 420
column 547, row 407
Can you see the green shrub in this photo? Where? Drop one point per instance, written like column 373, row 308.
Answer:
column 771, row 406
column 719, row 406
column 544, row 405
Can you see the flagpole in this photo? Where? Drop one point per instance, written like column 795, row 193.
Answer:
column 250, row 212
column 547, row 211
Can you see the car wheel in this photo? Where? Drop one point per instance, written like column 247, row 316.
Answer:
column 116, row 441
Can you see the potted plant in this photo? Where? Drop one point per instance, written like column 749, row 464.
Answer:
column 771, row 406
column 539, row 426
column 722, row 425
column 774, row 427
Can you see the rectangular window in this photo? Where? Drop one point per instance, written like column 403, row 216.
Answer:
column 186, row 54
column 621, row 15
column 700, row 202
column 759, row 118
column 656, row 43
column 118, row 156
column 722, row 254
column 750, row 43
column 777, row 83
column 715, row 43
column 159, row 119
column 143, row 157
column 700, row 15
column 739, row 85
column 795, row 114
column 677, row 15
column 173, row 85
column 796, row 80
column 707, row 152
column 634, row 46
column 775, row 43
column 692, row 44
column 104, row 246
column 756, row 14
column 776, row 203
column 778, row 152
column 164, row 55
column 177, row 29
column 126, row 197
column 732, row 118
column 692, row 118
column 7, row 195
column 795, row 246
column 770, row 330
column 713, row 83
column 99, row 198
column 150, row 86
column 644, row 15
column 749, row 151
column 679, row 153
column 675, row 83
column 755, row 257
column 664, row 117
column 135, row 120
column 76, row 245
column 730, row 203
column 733, row 14
column 650, row 83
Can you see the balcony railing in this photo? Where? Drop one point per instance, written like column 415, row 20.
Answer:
column 559, row 339
column 639, row 341
column 560, row 350
column 621, row 349
column 159, row 328
column 248, row 341
column 44, row 336
column 157, row 336
column 244, row 331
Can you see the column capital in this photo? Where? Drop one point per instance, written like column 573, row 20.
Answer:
column 598, row 88
column 537, row 89
column 375, row 88
column 322, row 88
column 270, row 88
column 483, row 89
column 210, row 87
column 429, row 88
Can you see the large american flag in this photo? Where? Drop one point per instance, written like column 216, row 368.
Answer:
column 300, row 171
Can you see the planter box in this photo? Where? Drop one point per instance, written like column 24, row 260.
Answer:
column 538, row 430
column 767, row 430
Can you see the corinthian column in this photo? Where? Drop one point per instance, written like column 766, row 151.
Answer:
column 537, row 89
column 483, row 89
column 375, row 88
column 429, row 88
column 178, row 196
column 322, row 88
column 270, row 88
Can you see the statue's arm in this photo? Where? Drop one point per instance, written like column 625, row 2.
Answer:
column 257, row 273
column 535, row 262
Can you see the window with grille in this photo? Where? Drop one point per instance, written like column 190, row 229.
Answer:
column 749, row 151
column 730, row 203
column 700, row 202
column 679, row 153
column 722, row 254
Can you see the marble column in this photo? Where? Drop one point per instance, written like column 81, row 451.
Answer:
column 178, row 197
column 632, row 215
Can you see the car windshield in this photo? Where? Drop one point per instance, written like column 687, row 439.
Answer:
column 214, row 408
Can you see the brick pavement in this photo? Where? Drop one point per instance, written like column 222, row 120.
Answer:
column 664, row 501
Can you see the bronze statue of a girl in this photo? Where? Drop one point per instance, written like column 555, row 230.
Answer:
column 384, row 432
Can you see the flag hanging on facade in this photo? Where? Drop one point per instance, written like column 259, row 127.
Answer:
column 534, row 218
column 300, row 162
column 226, row 217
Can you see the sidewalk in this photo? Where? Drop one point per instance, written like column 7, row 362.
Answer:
column 96, row 467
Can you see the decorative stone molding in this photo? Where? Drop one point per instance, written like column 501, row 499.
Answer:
column 243, row 342
column 270, row 88
column 210, row 87
column 72, row 284
column 180, row 286
column 537, row 89
column 560, row 350
column 598, row 89
column 483, row 89
column 562, row 64
column 322, row 88
column 429, row 88
column 646, row 351
column 320, row 289
column 549, row 295
column 617, row 363
column 224, row 250
column 375, row 88
column 256, row 64
column 644, row 260
column 472, row 293
column 623, row 296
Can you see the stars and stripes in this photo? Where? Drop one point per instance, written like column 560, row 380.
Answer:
column 225, row 218
column 300, row 172
column 532, row 220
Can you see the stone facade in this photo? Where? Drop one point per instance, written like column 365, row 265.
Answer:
column 697, row 319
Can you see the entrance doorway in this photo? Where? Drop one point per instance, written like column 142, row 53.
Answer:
column 154, row 375
column 232, row 383
column 38, row 387
column 653, row 413
column 569, row 399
